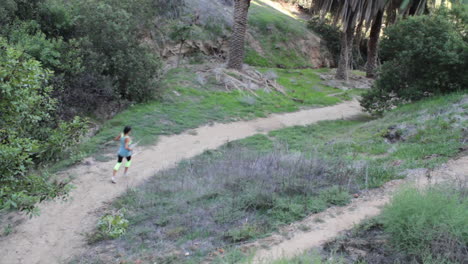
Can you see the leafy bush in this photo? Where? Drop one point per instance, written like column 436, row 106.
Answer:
column 431, row 221
column 423, row 56
column 93, row 47
column 111, row 47
column 30, row 132
column 328, row 32
column 113, row 225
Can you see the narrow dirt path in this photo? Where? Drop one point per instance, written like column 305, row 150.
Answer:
column 58, row 233
column 330, row 223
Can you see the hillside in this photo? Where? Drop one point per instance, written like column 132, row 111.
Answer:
column 276, row 37
column 132, row 132
column 249, row 188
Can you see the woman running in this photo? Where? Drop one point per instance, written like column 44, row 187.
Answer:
column 124, row 151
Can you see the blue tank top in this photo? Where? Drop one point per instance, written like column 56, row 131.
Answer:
column 123, row 152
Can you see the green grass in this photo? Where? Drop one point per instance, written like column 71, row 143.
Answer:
column 264, row 17
column 277, row 34
column 248, row 188
column 434, row 129
column 188, row 104
column 423, row 221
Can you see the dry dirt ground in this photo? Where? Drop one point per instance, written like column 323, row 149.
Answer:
column 59, row 232
column 330, row 223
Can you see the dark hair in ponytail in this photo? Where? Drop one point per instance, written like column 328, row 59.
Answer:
column 127, row 129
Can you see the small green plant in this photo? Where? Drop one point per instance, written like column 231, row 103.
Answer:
column 245, row 232
column 335, row 196
column 8, row 229
column 113, row 225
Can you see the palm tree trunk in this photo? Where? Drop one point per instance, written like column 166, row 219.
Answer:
column 356, row 46
column 346, row 48
column 237, row 49
column 372, row 45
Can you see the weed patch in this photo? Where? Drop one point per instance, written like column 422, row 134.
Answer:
column 418, row 226
column 433, row 221
column 229, row 196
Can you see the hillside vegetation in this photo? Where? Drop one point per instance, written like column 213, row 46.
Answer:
column 101, row 57
column 74, row 73
column 250, row 187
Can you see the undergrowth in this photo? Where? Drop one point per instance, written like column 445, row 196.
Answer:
column 430, row 132
column 425, row 226
column 248, row 188
column 226, row 197
column 429, row 222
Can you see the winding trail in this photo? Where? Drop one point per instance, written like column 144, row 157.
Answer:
column 330, row 223
column 58, row 233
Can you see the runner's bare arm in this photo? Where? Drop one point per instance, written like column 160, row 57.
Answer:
column 117, row 138
column 127, row 147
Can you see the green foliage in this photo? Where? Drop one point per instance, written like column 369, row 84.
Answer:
column 423, row 56
column 93, row 47
column 180, row 32
column 29, row 130
column 56, row 20
column 111, row 47
column 328, row 32
column 430, row 221
column 29, row 37
column 112, row 226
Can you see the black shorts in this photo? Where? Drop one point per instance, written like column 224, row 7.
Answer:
column 120, row 158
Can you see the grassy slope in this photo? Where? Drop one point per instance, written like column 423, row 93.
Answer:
column 274, row 30
column 188, row 104
column 182, row 217
column 432, row 130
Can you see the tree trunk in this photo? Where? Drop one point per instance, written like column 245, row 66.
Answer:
column 346, row 48
column 356, row 47
column 342, row 71
column 372, row 46
column 237, row 49
column 180, row 53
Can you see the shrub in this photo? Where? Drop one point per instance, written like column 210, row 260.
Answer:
column 93, row 47
column 328, row 32
column 29, row 130
column 423, row 56
column 431, row 221
column 111, row 48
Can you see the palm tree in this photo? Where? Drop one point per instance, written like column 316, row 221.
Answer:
column 372, row 45
column 237, row 49
column 349, row 13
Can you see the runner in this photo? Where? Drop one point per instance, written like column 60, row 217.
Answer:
column 124, row 152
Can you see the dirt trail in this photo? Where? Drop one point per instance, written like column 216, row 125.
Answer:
column 57, row 234
column 330, row 223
